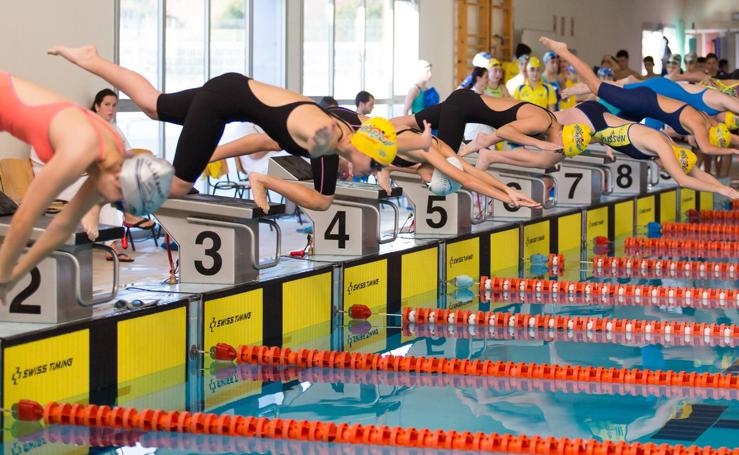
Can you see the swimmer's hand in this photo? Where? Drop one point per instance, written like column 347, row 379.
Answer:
column 470, row 147
column 730, row 193
column 78, row 55
column 519, row 199
column 4, row 290
column 383, row 180
column 546, row 145
column 557, row 46
column 90, row 224
column 426, row 135
column 259, row 192
column 322, row 141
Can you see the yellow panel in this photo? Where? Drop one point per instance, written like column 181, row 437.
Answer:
column 236, row 319
column 151, row 344
column 706, row 200
column 366, row 284
column 624, row 219
column 419, row 273
column 306, row 311
column 688, row 199
column 569, row 233
column 504, row 251
column 668, row 206
column 463, row 258
column 536, row 239
column 597, row 223
column 52, row 369
column 645, row 212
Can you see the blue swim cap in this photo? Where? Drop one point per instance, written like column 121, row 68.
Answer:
column 571, row 69
column 605, row 72
column 549, row 56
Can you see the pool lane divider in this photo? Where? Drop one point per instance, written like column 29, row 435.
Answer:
column 635, row 267
column 681, row 248
column 502, row 319
column 713, row 216
column 320, row 431
column 534, row 290
column 622, row 331
column 310, row 358
column 248, row 372
column 706, row 231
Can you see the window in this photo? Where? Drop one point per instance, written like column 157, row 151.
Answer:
column 179, row 44
column 353, row 45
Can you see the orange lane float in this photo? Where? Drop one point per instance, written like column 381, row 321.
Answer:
column 305, row 430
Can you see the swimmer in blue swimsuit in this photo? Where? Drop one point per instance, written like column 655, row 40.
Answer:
column 633, row 139
column 638, row 103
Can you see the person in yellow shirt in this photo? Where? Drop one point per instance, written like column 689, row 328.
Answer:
column 534, row 90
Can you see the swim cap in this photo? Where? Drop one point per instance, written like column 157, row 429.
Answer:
column 549, row 56
column 691, row 57
column 494, row 63
column 604, row 71
column 571, row 69
column 719, row 135
column 145, row 182
column 730, row 120
column 685, row 157
column 482, row 59
column 534, row 62
column 575, row 139
column 376, row 139
column 674, row 58
column 441, row 184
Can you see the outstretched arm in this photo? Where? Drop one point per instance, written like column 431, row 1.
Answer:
column 518, row 132
column 294, row 191
column 700, row 133
column 59, row 230
column 58, row 174
column 247, row 145
column 697, row 179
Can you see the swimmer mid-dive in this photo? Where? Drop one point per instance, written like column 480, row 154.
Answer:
column 632, row 139
column 638, row 103
column 432, row 162
column 515, row 121
column 72, row 141
column 299, row 125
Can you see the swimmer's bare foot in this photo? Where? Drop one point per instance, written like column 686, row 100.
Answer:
column 80, row 56
column 259, row 192
column 557, row 46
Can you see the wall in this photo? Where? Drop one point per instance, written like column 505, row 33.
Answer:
column 29, row 27
column 436, row 41
column 601, row 26
column 710, row 14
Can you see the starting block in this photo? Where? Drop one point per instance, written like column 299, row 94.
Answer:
column 436, row 215
column 542, row 188
column 352, row 225
column 218, row 237
column 45, row 294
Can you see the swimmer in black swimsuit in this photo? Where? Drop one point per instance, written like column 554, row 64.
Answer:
column 638, row 103
column 295, row 122
column 632, row 139
column 514, row 121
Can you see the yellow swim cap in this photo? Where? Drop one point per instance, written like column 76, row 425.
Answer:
column 575, row 138
column 719, row 135
column 685, row 157
column 534, row 62
column 493, row 63
column 376, row 139
column 730, row 121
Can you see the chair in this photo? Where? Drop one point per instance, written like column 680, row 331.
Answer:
column 16, row 175
column 219, row 171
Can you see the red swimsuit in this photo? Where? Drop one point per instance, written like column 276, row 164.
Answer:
column 31, row 123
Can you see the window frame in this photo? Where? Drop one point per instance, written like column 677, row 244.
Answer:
column 126, row 105
column 394, row 99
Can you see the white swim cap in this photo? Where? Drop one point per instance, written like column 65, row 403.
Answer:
column 145, row 182
column 441, row 184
